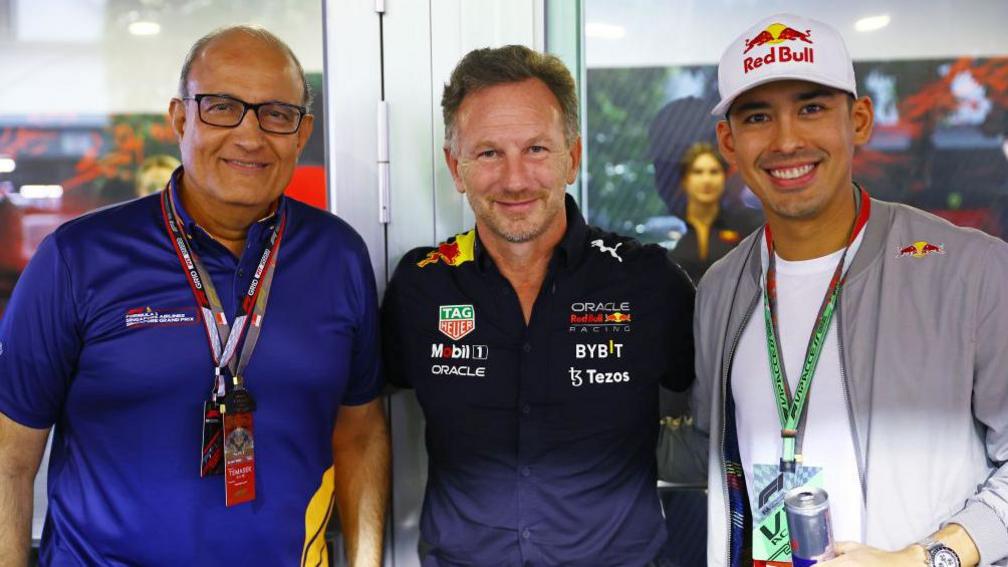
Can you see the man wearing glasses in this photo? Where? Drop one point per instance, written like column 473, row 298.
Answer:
column 194, row 425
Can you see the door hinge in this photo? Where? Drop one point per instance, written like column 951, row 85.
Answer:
column 384, row 190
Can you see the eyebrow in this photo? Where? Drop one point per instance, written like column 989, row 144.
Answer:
column 822, row 92
column 537, row 140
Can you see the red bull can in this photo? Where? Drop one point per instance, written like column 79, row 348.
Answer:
column 809, row 525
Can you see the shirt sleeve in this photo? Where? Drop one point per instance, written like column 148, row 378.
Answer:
column 985, row 514
column 39, row 340
column 392, row 329
column 366, row 377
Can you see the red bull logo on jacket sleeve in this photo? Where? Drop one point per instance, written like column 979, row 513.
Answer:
column 920, row 249
column 775, row 35
column 460, row 250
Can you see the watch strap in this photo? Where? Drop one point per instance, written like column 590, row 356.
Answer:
column 932, row 546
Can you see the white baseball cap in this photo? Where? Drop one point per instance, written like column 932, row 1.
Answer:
column 782, row 47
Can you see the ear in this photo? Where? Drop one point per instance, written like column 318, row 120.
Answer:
column 863, row 120
column 726, row 142
column 454, row 167
column 575, row 160
column 177, row 117
column 304, row 131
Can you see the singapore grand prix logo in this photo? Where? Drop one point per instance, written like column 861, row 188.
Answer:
column 774, row 36
column 148, row 317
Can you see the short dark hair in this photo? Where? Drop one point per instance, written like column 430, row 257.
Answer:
column 695, row 151
column 257, row 32
column 487, row 67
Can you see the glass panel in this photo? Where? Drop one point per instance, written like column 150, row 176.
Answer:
column 83, row 119
column 941, row 104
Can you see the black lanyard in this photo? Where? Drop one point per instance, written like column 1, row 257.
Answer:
column 792, row 410
column 223, row 338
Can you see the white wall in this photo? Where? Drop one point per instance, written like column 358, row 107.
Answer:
column 77, row 57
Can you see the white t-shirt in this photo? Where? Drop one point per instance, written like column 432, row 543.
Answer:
column 828, row 443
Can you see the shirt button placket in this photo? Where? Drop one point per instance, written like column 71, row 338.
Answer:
column 526, row 436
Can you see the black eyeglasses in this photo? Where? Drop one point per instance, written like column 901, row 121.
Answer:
column 227, row 112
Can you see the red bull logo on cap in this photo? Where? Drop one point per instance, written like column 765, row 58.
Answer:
column 774, row 35
column 461, row 250
column 920, row 249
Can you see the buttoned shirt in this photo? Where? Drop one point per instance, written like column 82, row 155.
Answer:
column 541, row 436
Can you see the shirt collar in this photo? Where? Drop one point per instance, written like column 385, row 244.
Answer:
column 568, row 252
column 174, row 188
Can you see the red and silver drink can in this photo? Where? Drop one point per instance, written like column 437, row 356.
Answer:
column 809, row 525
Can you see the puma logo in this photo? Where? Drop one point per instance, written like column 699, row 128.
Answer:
column 603, row 248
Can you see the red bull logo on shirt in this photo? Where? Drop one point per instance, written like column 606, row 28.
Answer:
column 774, row 36
column 454, row 253
column 920, row 249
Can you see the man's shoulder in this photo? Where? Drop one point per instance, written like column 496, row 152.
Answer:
column 433, row 262
column 914, row 232
column 120, row 220
column 623, row 250
column 323, row 226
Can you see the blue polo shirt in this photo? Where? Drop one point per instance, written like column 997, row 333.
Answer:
column 101, row 338
column 542, row 436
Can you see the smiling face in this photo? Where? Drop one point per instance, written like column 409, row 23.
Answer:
column 793, row 143
column 512, row 162
column 704, row 181
column 242, row 167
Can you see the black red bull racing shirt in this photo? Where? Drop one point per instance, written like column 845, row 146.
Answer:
column 541, row 437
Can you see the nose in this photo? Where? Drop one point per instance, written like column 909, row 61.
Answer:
column 787, row 136
column 517, row 174
column 247, row 133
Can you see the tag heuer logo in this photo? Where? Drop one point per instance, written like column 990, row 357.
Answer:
column 456, row 321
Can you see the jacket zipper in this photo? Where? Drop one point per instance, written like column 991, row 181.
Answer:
column 724, row 396
column 847, row 399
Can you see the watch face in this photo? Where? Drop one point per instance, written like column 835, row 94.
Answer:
column 945, row 557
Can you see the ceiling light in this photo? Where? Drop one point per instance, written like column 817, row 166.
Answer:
column 872, row 23
column 6, row 164
column 598, row 30
column 144, row 28
column 41, row 191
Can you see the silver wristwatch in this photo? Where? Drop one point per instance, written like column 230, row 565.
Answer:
column 939, row 554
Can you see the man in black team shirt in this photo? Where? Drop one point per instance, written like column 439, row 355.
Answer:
column 536, row 344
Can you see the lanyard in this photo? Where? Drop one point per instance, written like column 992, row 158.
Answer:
column 792, row 410
column 223, row 338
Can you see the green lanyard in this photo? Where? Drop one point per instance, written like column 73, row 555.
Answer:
column 792, row 410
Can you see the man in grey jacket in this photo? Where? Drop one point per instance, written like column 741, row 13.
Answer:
column 853, row 345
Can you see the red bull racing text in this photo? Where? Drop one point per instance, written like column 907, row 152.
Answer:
column 775, row 35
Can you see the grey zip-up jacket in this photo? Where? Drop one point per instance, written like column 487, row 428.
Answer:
column 924, row 351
